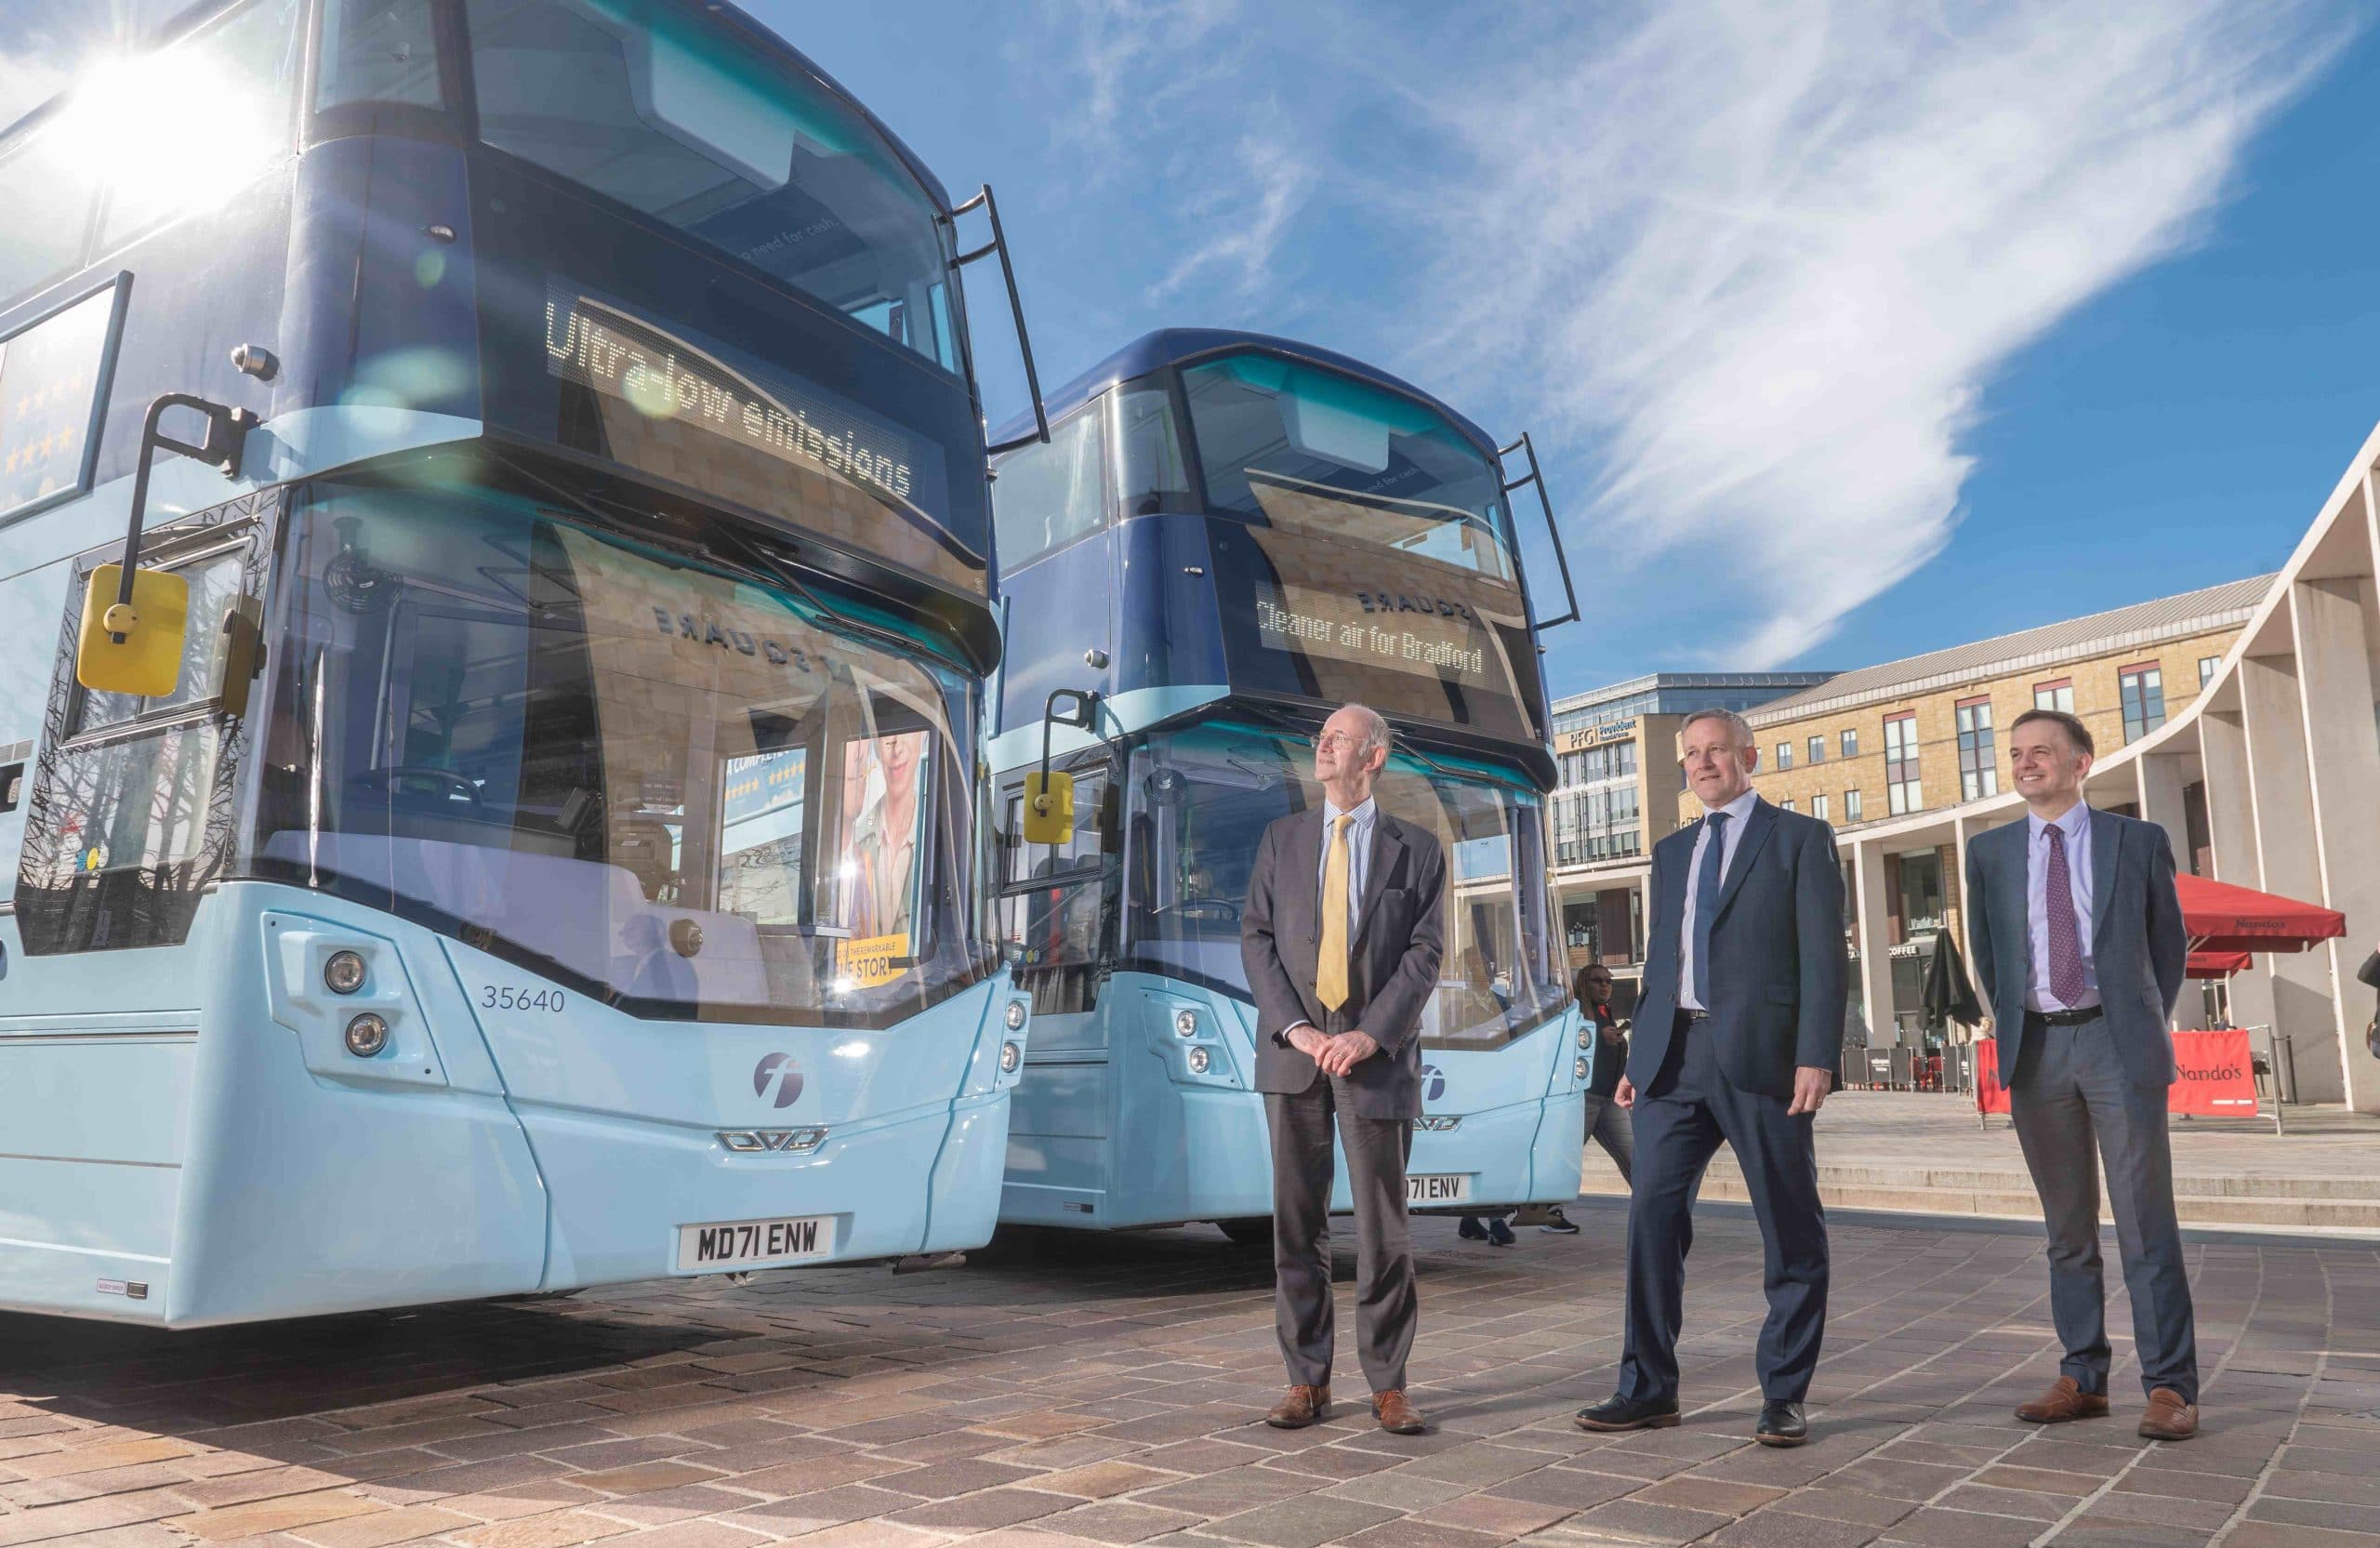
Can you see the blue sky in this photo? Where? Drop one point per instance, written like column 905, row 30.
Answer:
column 1846, row 331
column 1850, row 332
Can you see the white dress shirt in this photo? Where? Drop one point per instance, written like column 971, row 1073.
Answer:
column 2076, row 825
column 1737, row 811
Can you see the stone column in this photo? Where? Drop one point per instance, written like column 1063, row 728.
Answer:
column 2231, row 822
column 2161, row 799
column 2305, row 1005
column 2335, row 688
column 1870, row 928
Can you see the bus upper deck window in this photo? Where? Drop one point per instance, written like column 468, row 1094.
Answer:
column 378, row 51
column 680, row 118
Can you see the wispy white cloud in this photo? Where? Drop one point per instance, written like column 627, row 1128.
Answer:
column 1245, row 222
column 1135, row 52
column 1764, row 258
column 1168, row 100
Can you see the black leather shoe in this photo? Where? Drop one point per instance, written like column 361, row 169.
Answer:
column 1616, row 1413
column 1500, row 1234
column 1781, row 1424
column 1470, row 1230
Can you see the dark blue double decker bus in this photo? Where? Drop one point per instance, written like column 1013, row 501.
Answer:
column 550, row 853
column 1227, row 536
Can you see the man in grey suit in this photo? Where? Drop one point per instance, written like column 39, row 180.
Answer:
column 2077, row 934
column 1342, row 937
column 1738, row 1037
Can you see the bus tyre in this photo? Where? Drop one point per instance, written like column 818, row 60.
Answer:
column 1251, row 1232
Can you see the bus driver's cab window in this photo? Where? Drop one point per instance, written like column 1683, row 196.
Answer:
column 1056, row 908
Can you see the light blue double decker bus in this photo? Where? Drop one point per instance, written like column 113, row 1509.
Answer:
column 496, row 811
column 1227, row 536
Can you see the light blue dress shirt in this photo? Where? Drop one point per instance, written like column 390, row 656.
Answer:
column 2076, row 825
column 1359, row 856
column 1737, row 811
column 1359, row 859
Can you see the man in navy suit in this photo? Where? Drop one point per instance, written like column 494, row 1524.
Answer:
column 2076, row 929
column 1738, row 1037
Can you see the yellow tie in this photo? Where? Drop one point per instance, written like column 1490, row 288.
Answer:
column 1330, row 962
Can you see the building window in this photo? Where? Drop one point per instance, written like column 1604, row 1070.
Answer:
column 1818, row 807
column 2057, row 693
column 1785, row 805
column 1784, row 755
column 1851, row 806
column 1851, row 741
column 1904, row 792
column 1978, row 775
column 2206, row 666
column 2143, row 689
column 1818, row 750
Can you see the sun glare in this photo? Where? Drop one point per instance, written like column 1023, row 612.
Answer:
column 165, row 133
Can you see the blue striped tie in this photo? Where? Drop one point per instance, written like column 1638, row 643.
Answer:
column 1706, row 902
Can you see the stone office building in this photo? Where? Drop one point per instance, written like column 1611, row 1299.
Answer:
column 1619, row 795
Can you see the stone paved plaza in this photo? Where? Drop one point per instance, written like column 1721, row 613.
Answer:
column 1068, row 1390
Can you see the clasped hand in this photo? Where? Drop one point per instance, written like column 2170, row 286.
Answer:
column 1333, row 1055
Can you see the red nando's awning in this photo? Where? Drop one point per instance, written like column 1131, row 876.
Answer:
column 2221, row 916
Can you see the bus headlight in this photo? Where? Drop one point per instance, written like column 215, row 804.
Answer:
column 1011, row 1057
column 367, row 1034
column 1186, row 1024
column 1579, row 1067
column 1586, row 1036
column 1199, row 1059
column 343, row 972
column 1015, row 1015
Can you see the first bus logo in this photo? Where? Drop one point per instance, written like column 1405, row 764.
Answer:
column 777, row 1069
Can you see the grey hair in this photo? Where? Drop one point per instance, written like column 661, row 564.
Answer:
column 1738, row 727
column 1375, row 727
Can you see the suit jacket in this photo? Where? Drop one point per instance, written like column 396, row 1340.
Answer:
column 2137, row 944
column 1779, row 978
column 1393, row 957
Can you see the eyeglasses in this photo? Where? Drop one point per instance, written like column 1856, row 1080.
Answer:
column 1338, row 739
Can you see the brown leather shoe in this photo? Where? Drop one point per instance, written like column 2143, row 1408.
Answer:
column 2064, row 1401
column 1396, row 1415
column 1299, row 1408
column 2168, row 1417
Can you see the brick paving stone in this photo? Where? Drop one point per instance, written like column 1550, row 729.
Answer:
column 1103, row 1478
column 383, row 1527
column 1298, row 1523
column 981, row 1510
column 1640, row 1522
column 644, row 1477
column 562, row 1530
column 1933, row 1527
column 1784, row 1529
column 2275, row 1534
column 1098, row 1390
column 1421, row 1534
column 257, row 1516
column 1117, row 1521
column 1496, row 1517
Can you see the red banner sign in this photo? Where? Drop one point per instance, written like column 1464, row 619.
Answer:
column 2217, row 1079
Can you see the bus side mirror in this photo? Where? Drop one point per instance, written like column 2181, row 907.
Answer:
column 1049, row 806
column 243, row 655
column 132, row 647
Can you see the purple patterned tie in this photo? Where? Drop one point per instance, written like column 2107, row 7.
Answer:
column 2065, row 938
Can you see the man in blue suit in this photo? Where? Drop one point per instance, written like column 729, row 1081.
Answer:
column 2077, row 934
column 1738, row 1037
